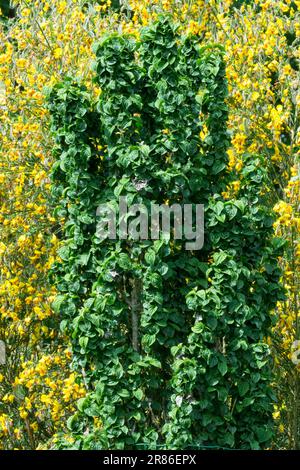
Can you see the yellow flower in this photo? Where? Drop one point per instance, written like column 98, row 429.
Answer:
column 17, row 433
column 281, row 428
column 25, row 12
column 46, row 399
column 61, row 7
column 2, row 248
column 8, row 398
column 58, row 52
column 34, row 426
column 236, row 185
column 21, row 63
column 23, row 413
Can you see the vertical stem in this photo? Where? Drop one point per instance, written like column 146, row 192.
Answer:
column 135, row 311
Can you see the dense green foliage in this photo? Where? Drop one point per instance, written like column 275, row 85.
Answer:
column 172, row 343
column 6, row 9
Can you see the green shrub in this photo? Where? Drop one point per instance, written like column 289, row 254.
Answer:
column 171, row 342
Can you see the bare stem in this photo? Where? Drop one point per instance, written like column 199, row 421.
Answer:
column 135, row 311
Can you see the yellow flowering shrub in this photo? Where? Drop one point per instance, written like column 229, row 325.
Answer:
column 48, row 40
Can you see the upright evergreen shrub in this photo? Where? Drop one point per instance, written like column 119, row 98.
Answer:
column 171, row 343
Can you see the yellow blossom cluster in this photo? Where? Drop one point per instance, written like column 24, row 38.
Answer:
column 43, row 397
